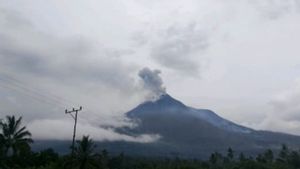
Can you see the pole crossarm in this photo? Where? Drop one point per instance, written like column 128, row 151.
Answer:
column 73, row 110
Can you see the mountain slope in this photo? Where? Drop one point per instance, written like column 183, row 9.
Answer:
column 168, row 106
column 184, row 129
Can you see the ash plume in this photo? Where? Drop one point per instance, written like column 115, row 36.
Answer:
column 152, row 82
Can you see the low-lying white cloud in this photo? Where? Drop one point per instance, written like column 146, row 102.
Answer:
column 63, row 130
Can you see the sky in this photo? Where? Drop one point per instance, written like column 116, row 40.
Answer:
column 239, row 58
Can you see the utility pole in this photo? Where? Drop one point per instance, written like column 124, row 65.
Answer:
column 75, row 125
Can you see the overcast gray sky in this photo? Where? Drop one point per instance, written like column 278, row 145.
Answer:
column 240, row 58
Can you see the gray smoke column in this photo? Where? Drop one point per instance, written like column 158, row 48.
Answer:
column 152, row 82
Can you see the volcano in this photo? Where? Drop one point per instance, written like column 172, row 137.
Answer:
column 190, row 132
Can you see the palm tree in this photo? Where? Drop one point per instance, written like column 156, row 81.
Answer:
column 14, row 137
column 1, row 152
column 84, row 156
column 1, row 143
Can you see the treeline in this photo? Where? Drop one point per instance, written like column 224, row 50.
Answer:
column 16, row 153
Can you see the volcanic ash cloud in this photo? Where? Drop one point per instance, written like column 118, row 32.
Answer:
column 152, row 82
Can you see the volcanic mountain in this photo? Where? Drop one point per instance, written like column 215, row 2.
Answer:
column 190, row 132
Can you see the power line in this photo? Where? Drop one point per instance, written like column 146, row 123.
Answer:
column 9, row 82
column 28, row 94
column 22, row 86
column 31, row 93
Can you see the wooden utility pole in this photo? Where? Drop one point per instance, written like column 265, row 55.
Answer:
column 75, row 125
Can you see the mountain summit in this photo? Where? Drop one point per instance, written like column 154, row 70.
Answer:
column 167, row 105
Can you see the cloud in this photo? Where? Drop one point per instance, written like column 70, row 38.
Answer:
column 179, row 47
column 273, row 9
column 62, row 130
column 24, row 49
column 179, row 40
column 152, row 82
column 284, row 112
column 28, row 53
column 42, row 74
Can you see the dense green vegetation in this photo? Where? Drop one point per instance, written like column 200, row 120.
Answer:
column 15, row 153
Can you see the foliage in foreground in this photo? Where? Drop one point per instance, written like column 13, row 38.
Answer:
column 15, row 153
